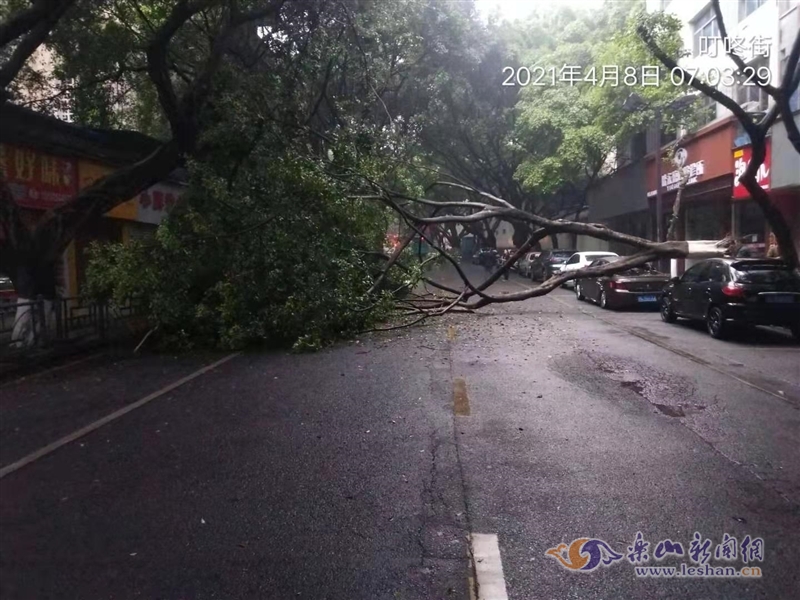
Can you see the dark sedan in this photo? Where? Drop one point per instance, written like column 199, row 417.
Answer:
column 480, row 257
column 640, row 286
column 549, row 263
column 727, row 291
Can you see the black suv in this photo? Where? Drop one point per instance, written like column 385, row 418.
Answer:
column 725, row 291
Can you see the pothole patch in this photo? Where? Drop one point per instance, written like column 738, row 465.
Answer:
column 669, row 394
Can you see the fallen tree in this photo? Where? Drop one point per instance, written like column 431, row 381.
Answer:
column 498, row 208
column 494, row 207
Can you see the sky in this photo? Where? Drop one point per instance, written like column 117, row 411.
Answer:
column 518, row 9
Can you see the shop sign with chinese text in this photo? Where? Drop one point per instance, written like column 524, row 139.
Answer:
column 151, row 206
column 38, row 180
column 741, row 159
column 693, row 172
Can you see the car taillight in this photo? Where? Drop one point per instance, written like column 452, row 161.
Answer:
column 733, row 290
column 616, row 285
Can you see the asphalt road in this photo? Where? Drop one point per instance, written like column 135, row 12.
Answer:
column 360, row 472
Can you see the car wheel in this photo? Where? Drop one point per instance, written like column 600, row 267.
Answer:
column 578, row 292
column 715, row 323
column 604, row 299
column 667, row 314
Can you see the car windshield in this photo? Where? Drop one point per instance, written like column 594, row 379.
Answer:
column 5, row 284
column 760, row 273
column 560, row 256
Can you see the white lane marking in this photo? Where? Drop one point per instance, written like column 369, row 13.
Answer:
column 488, row 567
column 33, row 456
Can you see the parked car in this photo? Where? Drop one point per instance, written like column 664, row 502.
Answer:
column 549, row 263
column 640, row 286
column 487, row 257
column 8, row 295
column 479, row 257
column 580, row 260
column 524, row 263
column 728, row 291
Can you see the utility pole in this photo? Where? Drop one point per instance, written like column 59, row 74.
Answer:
column 659, row 195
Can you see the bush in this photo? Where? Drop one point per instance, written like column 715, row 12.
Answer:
column 280, row 257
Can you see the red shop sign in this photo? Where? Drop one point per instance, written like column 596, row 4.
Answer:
column 38, row 180
column 741, row 158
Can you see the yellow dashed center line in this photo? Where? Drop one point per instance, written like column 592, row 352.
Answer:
column 460, row 398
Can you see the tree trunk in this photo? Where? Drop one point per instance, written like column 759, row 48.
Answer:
column 775, row 218
column 574, row 236
column 31, row 322
column 522, row 232
column 554, row 240
column 34, row 279
column 490, row 241
column 676, row 207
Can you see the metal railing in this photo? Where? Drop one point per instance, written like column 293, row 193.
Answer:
column 37, row 324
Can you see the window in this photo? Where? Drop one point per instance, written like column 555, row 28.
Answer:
column 696, row 273
column 639, row 145
column 761, row 273
column 752, row 93
column 719, row 273
column 746, row 7
column 706, row 220
column 746, row 94
column 705, row 27
column 668, row 136
column 573, row 260
column 794, row 101
column 707, row 110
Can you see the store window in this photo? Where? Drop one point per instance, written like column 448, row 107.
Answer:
column 706, row 221
column 632, row 224
column 751, row 226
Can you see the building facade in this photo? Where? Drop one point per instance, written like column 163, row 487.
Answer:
column 45, row 162
column 713, row 203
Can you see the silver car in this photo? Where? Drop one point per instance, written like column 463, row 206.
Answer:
column 524, row 263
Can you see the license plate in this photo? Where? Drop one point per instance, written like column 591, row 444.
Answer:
column 647, row 298
column 786, row 298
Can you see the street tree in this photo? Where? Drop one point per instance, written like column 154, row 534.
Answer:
column 756, row 126
column 585, row 134
column 151, row 42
